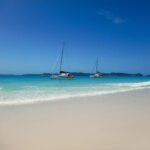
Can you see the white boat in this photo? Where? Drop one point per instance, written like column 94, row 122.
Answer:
column 97, row 74
column 62, row 74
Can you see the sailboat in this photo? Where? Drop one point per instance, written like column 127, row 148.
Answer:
column 62, row 74
column 97, row 74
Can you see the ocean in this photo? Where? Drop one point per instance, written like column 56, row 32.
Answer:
column 32, row 89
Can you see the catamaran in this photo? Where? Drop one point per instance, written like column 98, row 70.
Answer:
column 97, row 74
column 62, row 74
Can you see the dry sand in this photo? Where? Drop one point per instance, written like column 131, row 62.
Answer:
column 109, row 122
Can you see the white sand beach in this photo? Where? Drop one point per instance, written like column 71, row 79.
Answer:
column 118, row 121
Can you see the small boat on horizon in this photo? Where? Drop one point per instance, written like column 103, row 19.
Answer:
column 62, row 74
column 97, row 74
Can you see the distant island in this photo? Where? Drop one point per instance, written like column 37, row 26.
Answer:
column 85, row 74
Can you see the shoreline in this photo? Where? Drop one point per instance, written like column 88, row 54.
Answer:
column 68, row 98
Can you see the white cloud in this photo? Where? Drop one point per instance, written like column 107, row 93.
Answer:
column 110, row 16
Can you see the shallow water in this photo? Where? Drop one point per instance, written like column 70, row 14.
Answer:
column 30, row 89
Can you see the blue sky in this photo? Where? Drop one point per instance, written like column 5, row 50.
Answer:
column 32, row 32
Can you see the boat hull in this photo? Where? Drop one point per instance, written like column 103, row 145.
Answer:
column 61, row 77
column 94, row 76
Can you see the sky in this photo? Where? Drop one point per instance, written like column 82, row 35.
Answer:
column 115, row 31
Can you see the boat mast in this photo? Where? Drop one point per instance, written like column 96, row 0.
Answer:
column 97, row 65
column 61, row 60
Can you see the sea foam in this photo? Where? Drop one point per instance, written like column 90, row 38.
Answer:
column 36, row 91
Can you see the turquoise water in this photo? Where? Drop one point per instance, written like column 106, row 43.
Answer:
column 30, row 89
